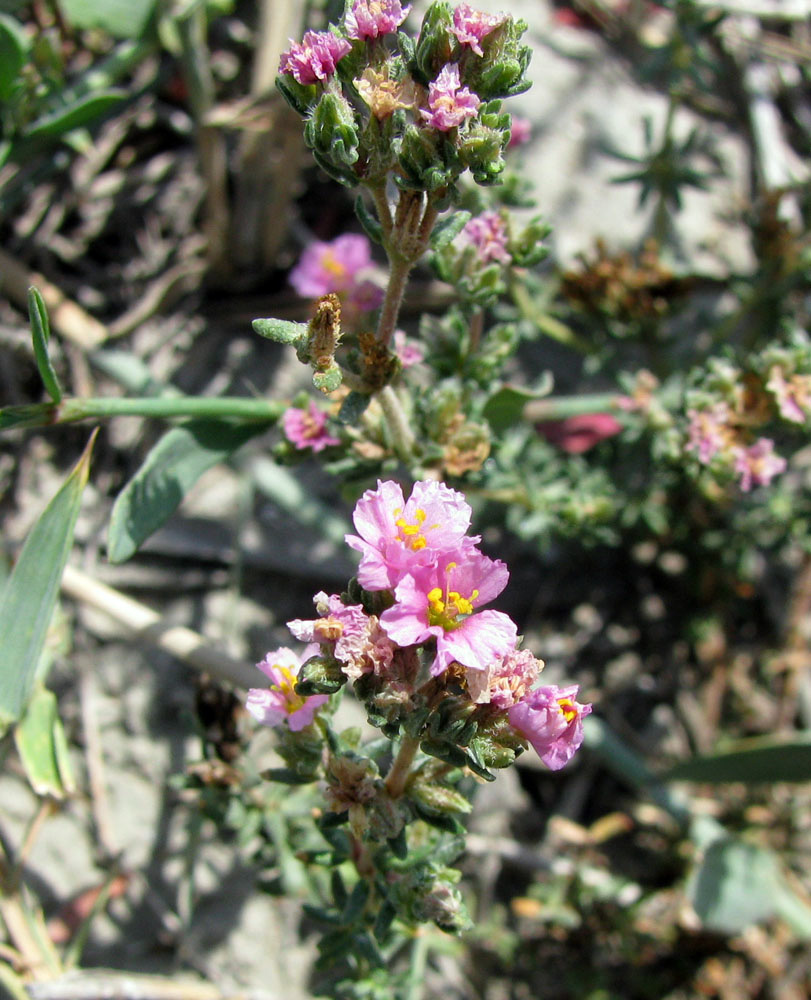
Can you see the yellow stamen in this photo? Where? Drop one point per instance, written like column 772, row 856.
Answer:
column 567, row 708
column 287, row 687
column 411, row 534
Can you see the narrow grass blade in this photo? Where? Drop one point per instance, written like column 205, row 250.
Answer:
column 41, row 334
column 42, row 746
column 29, row 596
column 169, row 471
column 755, row 760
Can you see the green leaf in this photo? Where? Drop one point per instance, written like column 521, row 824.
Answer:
column 169, row 471
column 738, row 884
column 505, row 407
column 84, row 111
column 353, row 407
column 120, row 18
column 448, row 229
column 14, row 48
column 40, row 335
column 371, row 226
column 27, row 415
column 281, row 330
column 43, row 748
column 329, row 380
column 29, row 596
column 755, row 760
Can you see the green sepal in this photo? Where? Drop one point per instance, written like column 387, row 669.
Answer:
column 282, row 331
column 320, row 675
column 435, row 44
column 332, row 130
column 371, row 226
column 428, row 159
column 340, row 174
column 438, row 799
column 442, row 821
column 299, row 96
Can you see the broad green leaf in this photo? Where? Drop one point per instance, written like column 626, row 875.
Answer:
column 120, row 18
column 329, row 380
column 29, row 596
column 281, row 330
column 750, row 761
column 40, row 335
column 737, row 885
column 169, row 471
column 84, row 111
column 14, row 48
column 43, row 748
column 506, row 406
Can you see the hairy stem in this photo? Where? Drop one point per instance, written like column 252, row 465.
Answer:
column 397, row 778
column 402, row 436
column 398, row 278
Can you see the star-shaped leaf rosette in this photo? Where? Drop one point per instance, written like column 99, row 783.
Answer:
column 440, row 673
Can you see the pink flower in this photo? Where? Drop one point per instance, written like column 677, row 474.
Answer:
column 709, row 431
column 372, row 18
column 408, row 351
column 470, row 26
column 506, row 681
column 315, row 57
column 793, row 395
column 307, row 428
column 552, row 721
column 441, row 599
column 488, row 234
column 396, row 536
column 280, row 703
column 758, row 464
column 355, row 638
column 577, row 434
column 449, row 103
column 343, row 265
column 520, row 131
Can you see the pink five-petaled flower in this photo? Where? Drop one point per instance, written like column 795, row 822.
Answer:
column 449, row 102
column 506, row 681
column 396, row 536
column 372, row 18
column 280, row 703
column 758, row 464
column 354, row 638
column 470, row 25
column 488, row 234
column 307, row 428
column 343, row 265
column 441, row 599
column 552, row 721
column 315, row 57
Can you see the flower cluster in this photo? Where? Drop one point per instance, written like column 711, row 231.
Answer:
column 376, row 104
column 429, row 582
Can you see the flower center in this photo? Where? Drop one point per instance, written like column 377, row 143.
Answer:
column 446, row 606
column 411, row 532
column 287, row 687
column 567, row 708
column 332, row 265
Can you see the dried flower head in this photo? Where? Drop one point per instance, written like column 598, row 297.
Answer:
column 384, row 95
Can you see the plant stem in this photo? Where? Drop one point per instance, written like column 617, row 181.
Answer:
column 402, row 435
column 561, row 407
column 397, row 778
column 419, row 960
column 398, row 278
column 237, row 407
